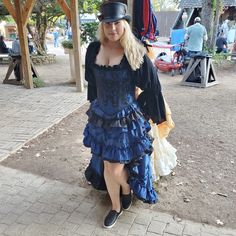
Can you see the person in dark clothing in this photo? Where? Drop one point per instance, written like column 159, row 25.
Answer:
column 221, row 44
column 3, row 47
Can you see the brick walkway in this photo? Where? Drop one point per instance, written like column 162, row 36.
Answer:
column 27, row 113
column 31, row 205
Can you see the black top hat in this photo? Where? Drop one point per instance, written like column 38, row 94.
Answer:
column 113, row 11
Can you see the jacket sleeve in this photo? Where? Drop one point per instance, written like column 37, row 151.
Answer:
column 89, row 76
column 150, row 100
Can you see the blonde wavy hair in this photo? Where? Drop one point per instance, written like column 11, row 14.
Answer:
column 133, row 49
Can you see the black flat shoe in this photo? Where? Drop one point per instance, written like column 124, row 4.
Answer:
column 111, row 218
column 126, row 201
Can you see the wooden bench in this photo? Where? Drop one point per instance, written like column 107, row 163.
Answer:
column 4, row 59
column 16, row 61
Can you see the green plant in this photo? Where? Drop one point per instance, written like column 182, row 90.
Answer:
column 89, row 31
column 217, row 58
column 38, row 83
column 67, row 44
column 207, row 49
column 220, row 58
column 88, row 34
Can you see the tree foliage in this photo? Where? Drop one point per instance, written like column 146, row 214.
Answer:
column 45, row 15
column 164, row 5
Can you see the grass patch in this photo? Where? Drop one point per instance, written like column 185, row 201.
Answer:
column 38, row 83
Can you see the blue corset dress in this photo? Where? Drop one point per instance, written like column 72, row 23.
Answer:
column 117, row 131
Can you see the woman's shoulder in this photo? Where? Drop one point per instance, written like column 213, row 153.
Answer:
column 94, row 45
column 92, row 50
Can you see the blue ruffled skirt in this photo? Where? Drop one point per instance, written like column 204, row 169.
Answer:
column 121, row 137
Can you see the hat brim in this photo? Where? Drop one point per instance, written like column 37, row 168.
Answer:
column 106, row 20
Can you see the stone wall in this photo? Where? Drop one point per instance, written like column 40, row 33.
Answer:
column 43, row 60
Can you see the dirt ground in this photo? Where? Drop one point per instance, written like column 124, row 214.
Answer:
column 203, row 188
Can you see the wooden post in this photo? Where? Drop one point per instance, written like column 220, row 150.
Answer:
column 76, row 44
column 28, row 7
column 10, row 8
column 25, row 57
column 65, row 9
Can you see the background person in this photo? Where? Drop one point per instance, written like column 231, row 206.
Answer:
column 69, row 33
column 117, row 130
column 3, row 47
column 195, row 35
column 225, row 28
column 15, row 49
column 221, row 43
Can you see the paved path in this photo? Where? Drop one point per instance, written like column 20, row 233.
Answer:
column 27, row 113
column 31, row 205
column 34, row 206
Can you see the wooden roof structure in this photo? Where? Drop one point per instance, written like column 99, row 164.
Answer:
column 21, row 12
column 198, row 3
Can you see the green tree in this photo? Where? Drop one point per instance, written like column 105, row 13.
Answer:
column 3, row 11
column 164, row 5
column 45, row 15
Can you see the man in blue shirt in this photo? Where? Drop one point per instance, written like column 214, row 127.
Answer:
column 15, row 49
column 195, row 35
column 15, row 53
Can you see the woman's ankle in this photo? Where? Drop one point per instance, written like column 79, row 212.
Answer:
column 117, row 208
column 125, row 190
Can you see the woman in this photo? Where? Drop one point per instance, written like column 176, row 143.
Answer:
column 117, row 130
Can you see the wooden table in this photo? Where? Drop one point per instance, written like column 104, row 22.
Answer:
column 16, row 61
column 4, row 58
column 206, row 72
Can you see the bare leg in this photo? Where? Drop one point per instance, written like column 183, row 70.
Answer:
column 116, row 176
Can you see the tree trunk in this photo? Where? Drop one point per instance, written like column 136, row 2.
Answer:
column 207, row 19
column 36, row 41
column 41, row 28
column 219, row 6
column 39, row 35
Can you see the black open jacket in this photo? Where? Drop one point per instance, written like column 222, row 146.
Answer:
column 150, row 100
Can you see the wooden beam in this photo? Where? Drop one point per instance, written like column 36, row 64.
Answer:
column 25, row 58
column 76, row 44
column 65, row 8
column 10, row 8
column 26, row 11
